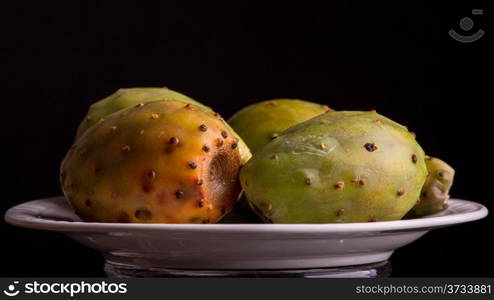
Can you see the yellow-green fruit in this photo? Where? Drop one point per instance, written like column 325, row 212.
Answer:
column 158, row 162
column 435, row 192
column 341, row 166
column 124, row 98
column 259, row 123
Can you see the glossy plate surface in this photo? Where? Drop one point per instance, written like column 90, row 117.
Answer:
column 238, row 246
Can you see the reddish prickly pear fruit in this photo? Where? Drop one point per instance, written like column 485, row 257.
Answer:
column 261, row 122
column 341, row 166
column 158, row 162
column 124, row 98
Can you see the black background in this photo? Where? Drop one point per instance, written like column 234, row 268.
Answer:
column 57, row 57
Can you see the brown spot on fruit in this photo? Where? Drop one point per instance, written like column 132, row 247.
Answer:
column 373, row 219
column 224, row 134
column 112, row 128
column 199, row 181
column 155, row 116
column 370, row 147
column 340, row 212
column 192, row 165
column 179, row 194
column 234, row 145
column 139, row 105
column 200, row 203
column 414, row 158
column 143, row 214
column 189, row 106
column 274, row 135
column 323, row 146
column 400, row 192
column 358, row 181
column 125, row 149
column 205, row 148
column 203, row 128
column 339, row 185
column 325, row 121
column 308, row 181
column 173, row 140
column 219, row 142
column 151, row 174
column 274, row 156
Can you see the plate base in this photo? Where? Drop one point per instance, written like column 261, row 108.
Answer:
column 380, row 269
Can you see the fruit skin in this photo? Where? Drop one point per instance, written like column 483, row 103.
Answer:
column 341, row 166
column 435, row 192
column 258, row 123
column 124, row 98
column 158, row 162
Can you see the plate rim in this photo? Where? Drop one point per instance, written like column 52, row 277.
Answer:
column 18, row 216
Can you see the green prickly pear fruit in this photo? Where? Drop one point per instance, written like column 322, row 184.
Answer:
column 341, row 166
column 435, row 192
column 158, row 162
column 124, row 98
column 259, row 123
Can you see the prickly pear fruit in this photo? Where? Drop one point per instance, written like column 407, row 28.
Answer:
column 341, row 166
column 435, row 192
column 259, row 123
column 124, row 98
column 158, row 162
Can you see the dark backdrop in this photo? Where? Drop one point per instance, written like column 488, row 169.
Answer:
column 57, row 57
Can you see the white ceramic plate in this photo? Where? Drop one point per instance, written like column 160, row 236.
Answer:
column 238, row 246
